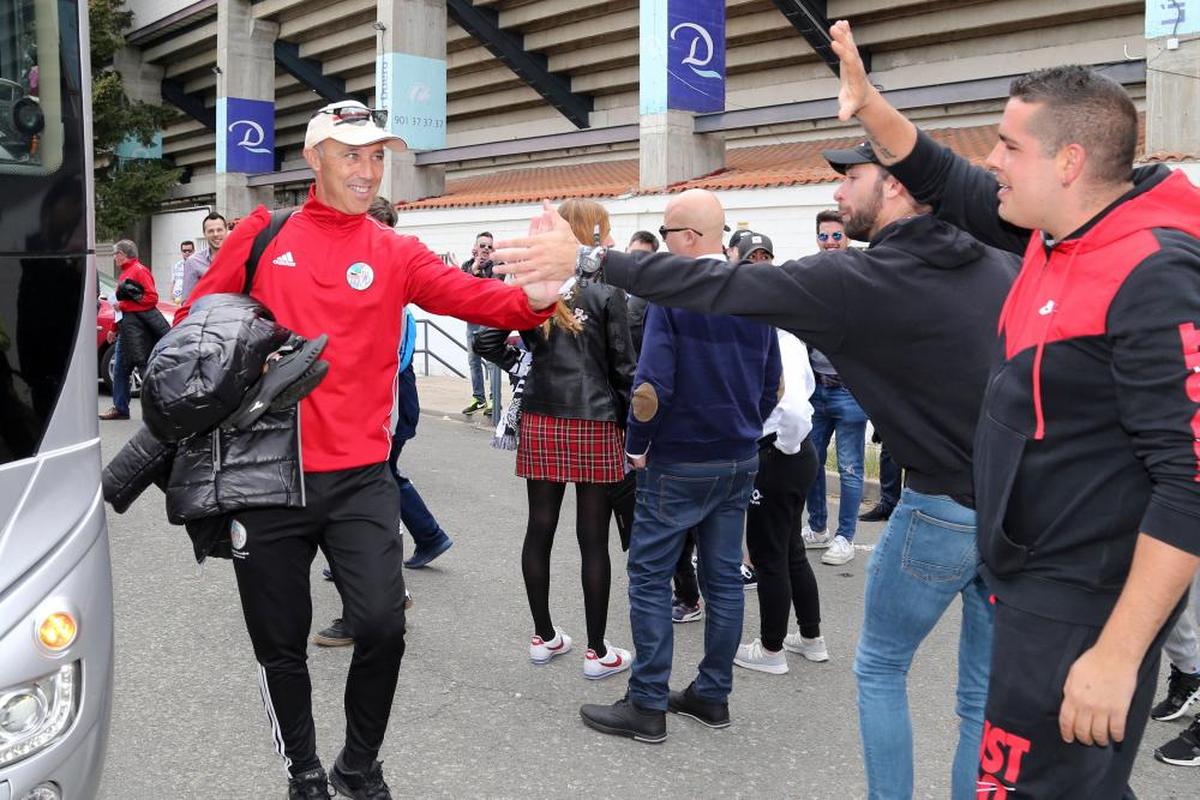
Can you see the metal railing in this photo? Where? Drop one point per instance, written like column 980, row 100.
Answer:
column 425, row 350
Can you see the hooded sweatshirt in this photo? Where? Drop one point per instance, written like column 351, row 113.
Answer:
column 1090, row 430
column 909, row 323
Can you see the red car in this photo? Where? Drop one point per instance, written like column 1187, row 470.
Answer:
column 106, row 323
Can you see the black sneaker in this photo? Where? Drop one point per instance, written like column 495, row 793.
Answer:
column 686, row 703
column 626, row 718
column 336, row 635
column 1184, row 749
column 309, row 785
column 749, row 577
column 367, row 785
column 1183, row 689
column 880, row 513
column 290, row 375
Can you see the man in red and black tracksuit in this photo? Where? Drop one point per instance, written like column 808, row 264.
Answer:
column 332, row 269
column 1087, row 456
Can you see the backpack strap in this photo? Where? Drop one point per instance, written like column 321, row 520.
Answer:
column 278, row 217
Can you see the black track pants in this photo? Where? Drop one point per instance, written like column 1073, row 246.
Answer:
column 1023, row 754
column 785, row 578
column 353, row 516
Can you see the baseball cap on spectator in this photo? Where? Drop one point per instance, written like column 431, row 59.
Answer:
column 351, row 123
column 754, row 241
column 737, row 236
column 841, row 160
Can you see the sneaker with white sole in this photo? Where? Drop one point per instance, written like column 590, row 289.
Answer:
column 840, row 551
column 682, row 612
column 815, row 540
column 541, row 651
column 812, row 649
column 756, row 657
column 1184, row 749
column 616, row 660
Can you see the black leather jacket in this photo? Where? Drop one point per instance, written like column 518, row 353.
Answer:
column 576, row 376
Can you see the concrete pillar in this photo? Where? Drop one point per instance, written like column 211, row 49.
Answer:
column 245, row 81
column 681, row 73
column 670, row 150
column 142, row 82
column 411, row 83
column 1173, row 96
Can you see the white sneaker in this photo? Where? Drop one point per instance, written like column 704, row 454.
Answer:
column 815, row 540
column 755, row 656
column 616, row 660
column 812, row 649
column 839, row 552
column 541, row 651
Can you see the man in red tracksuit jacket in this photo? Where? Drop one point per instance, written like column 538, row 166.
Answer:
column 1087, row 456
column 334, row 270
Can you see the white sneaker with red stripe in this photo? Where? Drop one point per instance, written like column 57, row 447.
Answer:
column 541, row 651
column 615, row 660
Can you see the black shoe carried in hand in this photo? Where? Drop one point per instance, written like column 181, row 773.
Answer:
column 688, row 704
column 290, row 375
column 336, row 635
column 626, row 718
column 311, row 785
column 366, row 785
column 879, row 513
column 1183, row 689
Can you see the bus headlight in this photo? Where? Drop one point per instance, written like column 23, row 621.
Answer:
column 36, row 714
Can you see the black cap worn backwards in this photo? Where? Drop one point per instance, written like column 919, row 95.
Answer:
column 841, row 160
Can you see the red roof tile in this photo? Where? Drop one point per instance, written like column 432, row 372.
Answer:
column 756, row 167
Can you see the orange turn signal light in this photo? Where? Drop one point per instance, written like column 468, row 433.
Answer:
column 57, row 631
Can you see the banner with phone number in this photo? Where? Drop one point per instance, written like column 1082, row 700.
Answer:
column 413, row 90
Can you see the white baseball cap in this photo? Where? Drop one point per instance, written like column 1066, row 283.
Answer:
column 350, row 122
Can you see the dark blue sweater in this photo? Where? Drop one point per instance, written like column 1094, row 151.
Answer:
column 705, row 384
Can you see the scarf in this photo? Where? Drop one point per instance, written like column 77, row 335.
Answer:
column 509, row 427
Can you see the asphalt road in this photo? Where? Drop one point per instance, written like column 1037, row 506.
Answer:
column 472, row 717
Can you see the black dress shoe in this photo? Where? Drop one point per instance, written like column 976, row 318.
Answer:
column 687, row 703
column 626, row 718
column 879, row 513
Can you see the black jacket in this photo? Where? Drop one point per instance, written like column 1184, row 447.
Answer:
column 139, row 331
column 909, row 323
column 575, row 376
column 1090, row 429
column 197, row 378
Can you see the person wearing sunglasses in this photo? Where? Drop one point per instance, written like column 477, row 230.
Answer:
column 479, row 265
column 831, row 233
column 331, row 268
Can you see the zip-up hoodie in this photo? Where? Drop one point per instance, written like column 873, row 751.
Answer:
column 1090, row 429
column 348, row 276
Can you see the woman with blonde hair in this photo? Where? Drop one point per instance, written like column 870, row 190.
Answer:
column 573, row 410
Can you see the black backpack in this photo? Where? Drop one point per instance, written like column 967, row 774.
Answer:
column 264, row 238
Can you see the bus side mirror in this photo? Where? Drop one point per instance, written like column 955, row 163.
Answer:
column 28, row 118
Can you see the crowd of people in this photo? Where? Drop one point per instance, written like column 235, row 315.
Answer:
column 1022, row 339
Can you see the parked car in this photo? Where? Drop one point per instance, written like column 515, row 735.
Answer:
column 106, row 322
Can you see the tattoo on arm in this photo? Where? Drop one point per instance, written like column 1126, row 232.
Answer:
column 882, row 150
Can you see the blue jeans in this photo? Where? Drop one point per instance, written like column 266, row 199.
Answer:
column 836, row 411
column 671, row 498
column 889, row 479
column 926, row 558
column 120, row 385
column 415, row 515
column 475, row 365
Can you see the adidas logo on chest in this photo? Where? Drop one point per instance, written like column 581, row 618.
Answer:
column 284, row 260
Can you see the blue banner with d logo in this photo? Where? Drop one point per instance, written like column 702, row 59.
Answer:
column 245, row 135
column 696, row 55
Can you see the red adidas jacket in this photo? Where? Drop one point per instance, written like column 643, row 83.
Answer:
column 350, row 277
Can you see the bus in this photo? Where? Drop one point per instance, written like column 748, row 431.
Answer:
column 56, row 619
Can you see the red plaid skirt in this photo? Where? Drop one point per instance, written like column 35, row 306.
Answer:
column 570, row 450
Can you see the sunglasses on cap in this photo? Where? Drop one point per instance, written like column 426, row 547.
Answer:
column 837, row 236
column 357, row 115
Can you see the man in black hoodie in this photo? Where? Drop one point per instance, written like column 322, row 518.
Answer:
column 1087, row 458
column 909, row 324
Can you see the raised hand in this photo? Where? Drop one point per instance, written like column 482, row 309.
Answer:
column 548, row 253
column 856, row 90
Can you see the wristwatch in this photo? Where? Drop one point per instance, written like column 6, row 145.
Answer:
column 589, row 262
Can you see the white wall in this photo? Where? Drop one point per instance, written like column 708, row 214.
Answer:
column 147, row 11
column 166, row 232
column 787, row 215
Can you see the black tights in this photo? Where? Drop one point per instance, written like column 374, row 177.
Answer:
column 592, row 512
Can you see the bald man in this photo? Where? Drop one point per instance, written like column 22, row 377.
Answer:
column 703, row 388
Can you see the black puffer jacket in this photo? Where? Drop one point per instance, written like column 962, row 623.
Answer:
column 138, row 332
column 198, row 378
column 575, row 376
column 199, row 372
